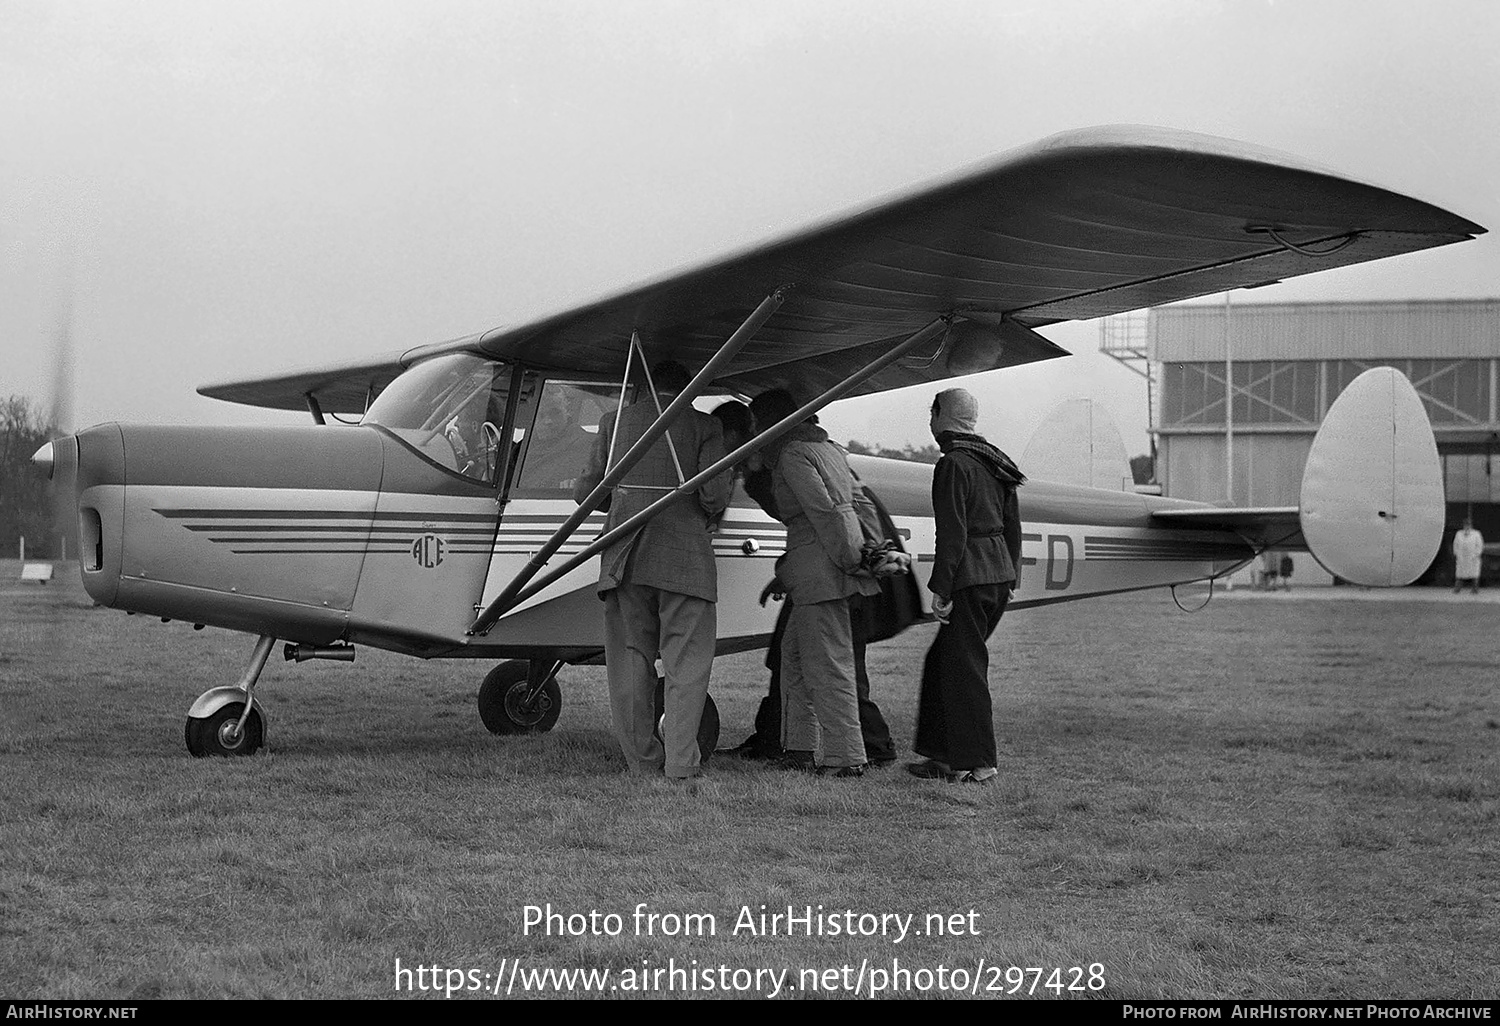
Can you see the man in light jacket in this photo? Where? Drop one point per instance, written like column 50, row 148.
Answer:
column 814, row 497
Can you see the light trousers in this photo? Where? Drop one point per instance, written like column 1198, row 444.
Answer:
column 640, row 624
column 819, row 704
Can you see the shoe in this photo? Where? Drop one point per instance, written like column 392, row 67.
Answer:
column 929, row 769
column 983, row 775
column 889, row 760
column 840, row 771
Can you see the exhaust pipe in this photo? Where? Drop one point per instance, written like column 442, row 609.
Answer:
column 302, row 653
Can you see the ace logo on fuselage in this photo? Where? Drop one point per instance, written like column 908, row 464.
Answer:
column 428, row 550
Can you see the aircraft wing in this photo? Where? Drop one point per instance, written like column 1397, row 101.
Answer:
column 338, row 387
column 1077, row 226
column 1270, row 526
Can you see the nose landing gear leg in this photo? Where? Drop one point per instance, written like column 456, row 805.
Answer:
column 227, row 720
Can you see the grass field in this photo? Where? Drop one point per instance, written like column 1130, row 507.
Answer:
column 1271, row 798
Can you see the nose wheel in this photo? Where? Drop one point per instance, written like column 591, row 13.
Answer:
column 221, row 733
column 228, row 720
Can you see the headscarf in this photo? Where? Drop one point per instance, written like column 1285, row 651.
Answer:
column 1001, row 466
column 956, row 410
column 954, row 414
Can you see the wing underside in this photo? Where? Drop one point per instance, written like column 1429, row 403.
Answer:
column 1078, row 226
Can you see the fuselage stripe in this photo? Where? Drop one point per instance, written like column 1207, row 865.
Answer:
column 326, row 514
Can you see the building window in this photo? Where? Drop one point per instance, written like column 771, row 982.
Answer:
column 1281, row 392
column 1471, row 478
column 1455, row 392
column 1285, row 392
column 1192, row 394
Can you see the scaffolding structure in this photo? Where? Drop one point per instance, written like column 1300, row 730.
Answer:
column 1126, row 338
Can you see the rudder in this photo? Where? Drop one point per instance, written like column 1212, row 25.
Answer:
column 1372, row 493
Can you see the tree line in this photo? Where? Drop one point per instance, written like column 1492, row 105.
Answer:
column 25, row 492
column 912, row 453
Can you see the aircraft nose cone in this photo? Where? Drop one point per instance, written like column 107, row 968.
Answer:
column 45, row 457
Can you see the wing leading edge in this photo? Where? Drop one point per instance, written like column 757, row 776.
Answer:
column 1078, row 226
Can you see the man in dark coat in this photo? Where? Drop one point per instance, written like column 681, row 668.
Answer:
column 976, row 565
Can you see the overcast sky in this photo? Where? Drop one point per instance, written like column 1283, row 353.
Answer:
column 233, row 190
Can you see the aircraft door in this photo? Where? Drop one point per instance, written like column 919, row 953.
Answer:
column 446, row 456
column 555, row 448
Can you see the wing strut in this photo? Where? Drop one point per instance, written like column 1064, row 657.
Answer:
column 636, row 350
column 656, row 400
column 517, row 592
column 508, row 597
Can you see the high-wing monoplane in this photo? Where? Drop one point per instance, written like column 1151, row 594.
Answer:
column 444, row 525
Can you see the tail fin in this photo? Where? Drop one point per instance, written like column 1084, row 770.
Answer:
column 1372, row 494
column 1078, row 443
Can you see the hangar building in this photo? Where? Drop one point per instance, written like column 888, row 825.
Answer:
column 1288, row 362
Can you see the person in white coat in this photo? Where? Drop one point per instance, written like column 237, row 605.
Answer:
column 1468, row 548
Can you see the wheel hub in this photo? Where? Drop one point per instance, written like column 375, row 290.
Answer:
column 522, row 711
column 230, row 736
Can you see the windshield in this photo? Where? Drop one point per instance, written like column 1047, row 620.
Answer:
column 450, row 409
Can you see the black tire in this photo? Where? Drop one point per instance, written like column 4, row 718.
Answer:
column 210, row 735
column 502, row 697
column 708, row 725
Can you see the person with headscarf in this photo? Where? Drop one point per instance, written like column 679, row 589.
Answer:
column 975, row 567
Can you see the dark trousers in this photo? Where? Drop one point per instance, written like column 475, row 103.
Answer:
column 955, row 721
column 767, row 736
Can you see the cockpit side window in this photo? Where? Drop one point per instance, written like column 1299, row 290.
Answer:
column 563, row 435
column 451, row 410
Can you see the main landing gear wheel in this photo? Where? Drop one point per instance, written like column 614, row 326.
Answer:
column 509, row 705
column 708, row 724
column 219, row 734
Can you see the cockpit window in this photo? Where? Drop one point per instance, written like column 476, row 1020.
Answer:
column 562, row 439
column 450, row 409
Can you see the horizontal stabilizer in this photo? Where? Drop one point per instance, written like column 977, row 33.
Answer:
column 1265, row 526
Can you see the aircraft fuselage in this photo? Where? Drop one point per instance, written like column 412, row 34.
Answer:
column 320, row 535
